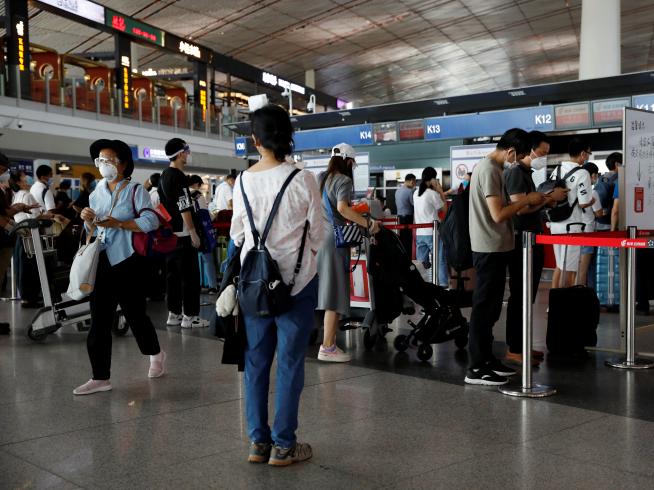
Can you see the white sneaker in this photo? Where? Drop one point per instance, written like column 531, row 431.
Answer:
column 93, row 386
column 336, row 355
column 174, row 320
column 157, row 365
column 194, row 322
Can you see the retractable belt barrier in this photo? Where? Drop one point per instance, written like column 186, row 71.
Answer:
column 628, row 241
column 409, row 227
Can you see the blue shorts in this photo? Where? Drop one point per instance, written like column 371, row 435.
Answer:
column 587, row 250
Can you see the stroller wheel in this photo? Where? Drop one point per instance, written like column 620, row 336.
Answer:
column 401, row 343
column 38, row 336
column 461, row 342
column 120, row 327
column 369, row 340
column 425, row 351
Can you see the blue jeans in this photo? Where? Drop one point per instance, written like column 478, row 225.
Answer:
column 209, row 269
column 424, row 245
column 288, row 334
column 231, row 250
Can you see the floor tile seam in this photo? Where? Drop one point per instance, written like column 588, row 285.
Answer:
column 558, row 431
column 593, row 463
column 6, row 445
column 36, row 465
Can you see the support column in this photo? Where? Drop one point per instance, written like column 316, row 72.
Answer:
column 124, row 71
column 600, row 39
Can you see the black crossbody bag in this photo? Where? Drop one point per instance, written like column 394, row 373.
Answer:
column 261, row 289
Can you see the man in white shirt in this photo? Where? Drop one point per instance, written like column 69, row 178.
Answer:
column 222, row 200
column 590, row 214
column 41, row 189
column 579, row 197
column 154, row 190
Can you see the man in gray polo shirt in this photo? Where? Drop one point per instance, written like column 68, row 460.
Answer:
column 404, row 204
column 491, row 238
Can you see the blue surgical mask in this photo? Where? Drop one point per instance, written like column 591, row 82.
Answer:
column 465, row 184
column 50, row 180
column 29, row 179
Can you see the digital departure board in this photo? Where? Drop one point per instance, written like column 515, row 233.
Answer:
column 134, row 28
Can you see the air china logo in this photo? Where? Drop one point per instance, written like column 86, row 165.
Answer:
column 623, row 243
column 118, row 23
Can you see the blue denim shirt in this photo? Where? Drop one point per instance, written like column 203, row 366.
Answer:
column 118, row 242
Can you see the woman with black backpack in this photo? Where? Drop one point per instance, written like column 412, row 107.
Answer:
column 277, row 223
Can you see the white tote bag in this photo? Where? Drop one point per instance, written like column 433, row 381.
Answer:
column 84, row 269
column 85, row 264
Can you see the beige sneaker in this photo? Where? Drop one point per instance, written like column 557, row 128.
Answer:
column 157, row 365
column 93, row 386
column 280, row 456
column 333, row 354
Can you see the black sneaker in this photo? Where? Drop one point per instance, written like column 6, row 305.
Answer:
column 500, row 369
column 484, row 376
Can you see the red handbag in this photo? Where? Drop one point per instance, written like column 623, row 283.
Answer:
column 156, row 243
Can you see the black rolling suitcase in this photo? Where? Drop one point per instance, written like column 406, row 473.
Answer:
column 573, row 317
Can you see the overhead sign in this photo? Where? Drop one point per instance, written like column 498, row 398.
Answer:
column 152, row 154
column 609, row 112
column 539, row 118
column 644, row 102
column 20, row 34
column 327, row 138
column 411, row 130
column 190, row 49
column 241, row 146
column 572, row 116
column 637, row 190
column 134, row 28
column 275, row 81
column 463, row 159
column 81, row 8
column 385, row 132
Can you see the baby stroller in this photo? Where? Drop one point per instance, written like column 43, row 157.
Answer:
column 48, row 251
column 394, row 278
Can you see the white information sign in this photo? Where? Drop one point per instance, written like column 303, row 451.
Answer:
column 83, row 8
column 637, row 205
column 463, row 159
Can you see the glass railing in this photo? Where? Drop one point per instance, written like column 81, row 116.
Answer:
column 78, row 97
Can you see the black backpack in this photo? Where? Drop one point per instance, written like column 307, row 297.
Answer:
column 605, row 187
column 261, row 289
column 454, row 231
column 563, row 209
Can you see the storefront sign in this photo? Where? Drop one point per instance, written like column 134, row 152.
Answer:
column 609, row 112
column 139, row 30
column 572, row 116
column 81, row 8
column 275, row 81
column 190, row 49
column 20, row 33
column 241, row 146
column 152, row 154
column 539, row 118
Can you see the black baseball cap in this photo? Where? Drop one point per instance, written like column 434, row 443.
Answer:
column 121, row 148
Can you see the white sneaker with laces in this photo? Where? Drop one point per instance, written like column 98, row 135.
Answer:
column 174, row 320
column 93, row 386
column 333, row 354
column 194, row 322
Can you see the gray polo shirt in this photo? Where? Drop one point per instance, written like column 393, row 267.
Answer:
column 404, row 201
column 486, row 236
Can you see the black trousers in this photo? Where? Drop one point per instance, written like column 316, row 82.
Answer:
column 122, row 284
column 486, row 304
column 156, row 272
column 406, row 236
column 644, row 276
column 27, row 273
column 514, row 308
column 183, row 279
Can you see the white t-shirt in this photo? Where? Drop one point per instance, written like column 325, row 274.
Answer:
column 25, row 197
column 37, row 190
column 425, row 209
column 301, row 202
column 581, row 190
column 154, row 197
column 224, row 194
column 589, row 213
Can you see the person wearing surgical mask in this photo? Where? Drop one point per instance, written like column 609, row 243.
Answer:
column 117, row 208
column 518, row 183
column 41, row 190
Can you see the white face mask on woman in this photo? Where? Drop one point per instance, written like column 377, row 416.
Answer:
column 109, row 172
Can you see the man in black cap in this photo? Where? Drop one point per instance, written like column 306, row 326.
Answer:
column 183, row 271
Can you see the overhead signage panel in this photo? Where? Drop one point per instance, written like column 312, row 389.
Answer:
column 81, row 8
column 385, row 132
column 134, row 28
column 327, row 138
column 609, row 112
column 186, row 48
column 155, row 155
column 411, row 130
column 539, row 118
column 572, row 116
column 644, row 102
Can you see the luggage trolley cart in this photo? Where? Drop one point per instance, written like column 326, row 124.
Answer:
column 58, row 310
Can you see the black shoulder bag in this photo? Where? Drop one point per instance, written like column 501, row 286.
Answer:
column 261, row 289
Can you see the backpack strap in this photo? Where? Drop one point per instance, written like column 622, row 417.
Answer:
column 260, row 240
column 569, row 174
column 298, row 264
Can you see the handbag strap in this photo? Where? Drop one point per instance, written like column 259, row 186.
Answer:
column 260, row 240
column 328, row 204
column 298, row 264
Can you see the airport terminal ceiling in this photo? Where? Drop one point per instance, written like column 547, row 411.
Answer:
column 375, row 51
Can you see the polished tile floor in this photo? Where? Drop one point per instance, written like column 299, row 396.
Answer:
column 385, row 420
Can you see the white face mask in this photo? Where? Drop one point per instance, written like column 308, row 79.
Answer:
column 539, row 163
column 109, row 172
column 507, row 163
column 189, row 159
column 4, row 178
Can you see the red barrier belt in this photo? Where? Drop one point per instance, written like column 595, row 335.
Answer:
column 595, row 240
column 409, row 227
